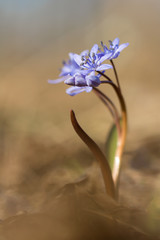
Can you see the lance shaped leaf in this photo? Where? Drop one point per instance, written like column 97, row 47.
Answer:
column 111, row 146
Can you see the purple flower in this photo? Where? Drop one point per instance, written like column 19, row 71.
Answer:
column 92, row 62
column 80, row 71
column 73, row 74
column 70, row 68
column 113, row 51
column 72, row 91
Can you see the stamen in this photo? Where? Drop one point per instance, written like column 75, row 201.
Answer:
column 111, row 45
column 110, row 42
column 93, row 55
column 82, row 58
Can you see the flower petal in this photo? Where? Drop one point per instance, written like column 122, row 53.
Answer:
column 72, row 91
column 115, row 42
column 115, row 55
column 88, row 89
column 103, row 67
column 118, row 50
column 105, row 57
column 78, row 59
column 65, row 70
column 80, row 81
column 70, row 81
column 93, row 81
column 94, row 49
column 71, row 56
column 56, row 80
column 122, row 46
column 84, row 53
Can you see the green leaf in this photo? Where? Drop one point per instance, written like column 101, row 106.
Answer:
column 111, row 145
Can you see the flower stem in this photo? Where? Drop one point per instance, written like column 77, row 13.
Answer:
column 112, row 108
column 116, row 75
column 104, row 165
column 104, row 75
column 121, row 141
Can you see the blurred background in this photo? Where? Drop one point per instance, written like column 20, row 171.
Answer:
column 36, row 135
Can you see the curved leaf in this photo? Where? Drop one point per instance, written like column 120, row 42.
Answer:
column 111, row 145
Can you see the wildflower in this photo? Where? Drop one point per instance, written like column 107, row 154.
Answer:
column 83, row 71
column 69, row 69
column 113, row 51
column 73, row 74
column 92, row 62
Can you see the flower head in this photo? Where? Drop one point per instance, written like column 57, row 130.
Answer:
column 82, row 71
column 114, row 50
column 91, row 62
column 69, row 69
column 73, row 74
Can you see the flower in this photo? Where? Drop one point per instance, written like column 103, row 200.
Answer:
column 83, row 71
column 114, row 50
column 73, row 74
column 92, row 62
column 69, row 69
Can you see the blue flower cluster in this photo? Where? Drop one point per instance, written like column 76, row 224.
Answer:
column 81, row 71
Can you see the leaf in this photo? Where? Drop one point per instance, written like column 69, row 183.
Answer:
column 111, row 145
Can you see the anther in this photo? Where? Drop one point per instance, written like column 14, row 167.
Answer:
column 110, row 42
column 102, row 44
column 93, row 55
column 82, row 58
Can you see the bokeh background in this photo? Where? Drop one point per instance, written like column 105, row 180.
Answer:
column 36, row 135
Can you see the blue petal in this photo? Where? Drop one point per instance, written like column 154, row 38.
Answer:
column 103, row 67
column 93, row 81
column 71, row 56
column 85, row 72
column 84, row 53
column 105, row 57
column 56, row 81
column 78, row 59
column 122, row 46
column 80, row 81
column 72, row 91
column 70, row 81
column 94, row 49
column 115, row 42
column 115, row 55
column 88, row 89
column 65, row 70
column 119, row 49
